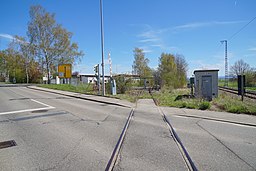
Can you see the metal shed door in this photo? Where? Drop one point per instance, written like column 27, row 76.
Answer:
column 207, row 87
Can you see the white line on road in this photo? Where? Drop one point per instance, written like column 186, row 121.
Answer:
column 29, row 110
column 218, row 120
column 41, row 103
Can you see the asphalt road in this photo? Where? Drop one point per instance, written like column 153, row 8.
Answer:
column 55, row 132
column 215, row 145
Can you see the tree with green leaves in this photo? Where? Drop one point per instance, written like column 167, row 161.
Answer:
column 13, row 63
column 172, row 70
column 182, row 68
column 168, row 70
column 140, row 64
column 51, row 42
column 26, row 50
column 3, row 71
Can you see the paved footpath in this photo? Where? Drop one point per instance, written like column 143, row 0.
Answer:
column 148, row 144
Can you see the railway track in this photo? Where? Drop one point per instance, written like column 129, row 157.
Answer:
column 248, row 94
column 188, row 163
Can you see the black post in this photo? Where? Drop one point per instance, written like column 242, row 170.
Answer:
column 241, row 85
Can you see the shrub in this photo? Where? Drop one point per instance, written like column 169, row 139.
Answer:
column 235, row 108
column 204, row 105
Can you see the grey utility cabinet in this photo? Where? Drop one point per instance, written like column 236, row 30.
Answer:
column 206, row 84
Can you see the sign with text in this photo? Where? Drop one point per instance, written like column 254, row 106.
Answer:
column 65, row 70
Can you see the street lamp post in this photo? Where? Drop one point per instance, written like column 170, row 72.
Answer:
column 102, row 50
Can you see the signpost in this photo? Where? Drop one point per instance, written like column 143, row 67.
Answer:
column 65, row 71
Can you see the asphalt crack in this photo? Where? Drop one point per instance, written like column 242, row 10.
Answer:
column 222, row 143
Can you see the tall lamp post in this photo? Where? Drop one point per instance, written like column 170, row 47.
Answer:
column 102, row 49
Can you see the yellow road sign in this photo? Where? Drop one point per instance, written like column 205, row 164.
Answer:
column 65, row 70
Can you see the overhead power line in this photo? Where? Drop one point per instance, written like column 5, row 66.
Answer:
column 242, row 28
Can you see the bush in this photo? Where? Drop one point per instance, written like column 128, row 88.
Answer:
column 204, row 105
column 238, row 109
column 123, row 84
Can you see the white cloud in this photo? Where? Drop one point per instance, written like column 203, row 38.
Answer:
column 152, row 38
column 7, row 36
column 149, row 40
column 146, row 49
column 205, row 24
column 252, row 49
column 12, row 38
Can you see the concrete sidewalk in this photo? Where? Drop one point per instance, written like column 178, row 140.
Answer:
column 95, row 98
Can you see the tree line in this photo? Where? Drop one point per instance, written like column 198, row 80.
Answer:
column 48, row 44
column 171, row 71
column 240, row 67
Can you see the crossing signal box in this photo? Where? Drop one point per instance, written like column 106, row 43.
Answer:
column 241, row 84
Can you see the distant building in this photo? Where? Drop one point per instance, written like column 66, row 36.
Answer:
column 86, row 79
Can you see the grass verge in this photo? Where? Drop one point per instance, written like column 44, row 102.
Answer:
column 82, row 88
column 233, row 104
column 170, row 100
column 225, row 101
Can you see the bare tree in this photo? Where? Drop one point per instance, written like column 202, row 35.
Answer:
column 240, row 67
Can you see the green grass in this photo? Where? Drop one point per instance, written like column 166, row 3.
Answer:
column 170, row 100
column 82, row 88
column 233, row 104
column 168, row 97
column 133, row 95
column 251, row 88
column 233, row 84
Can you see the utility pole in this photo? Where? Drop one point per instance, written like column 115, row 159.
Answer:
column 102, row 49
column 226, row 62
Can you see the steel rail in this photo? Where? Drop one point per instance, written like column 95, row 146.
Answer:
column 248, row 94
column 187, row 159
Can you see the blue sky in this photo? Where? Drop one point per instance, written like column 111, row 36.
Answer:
column 191, row 28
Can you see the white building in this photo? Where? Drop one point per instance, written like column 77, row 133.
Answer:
column 86, row 79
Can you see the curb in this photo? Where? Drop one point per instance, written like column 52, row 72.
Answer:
column 78, row 97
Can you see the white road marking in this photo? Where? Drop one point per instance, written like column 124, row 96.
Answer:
column 41, row 103
column 218, row 120
column 29, row 110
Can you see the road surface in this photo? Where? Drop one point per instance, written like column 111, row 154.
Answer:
column 58, row 132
